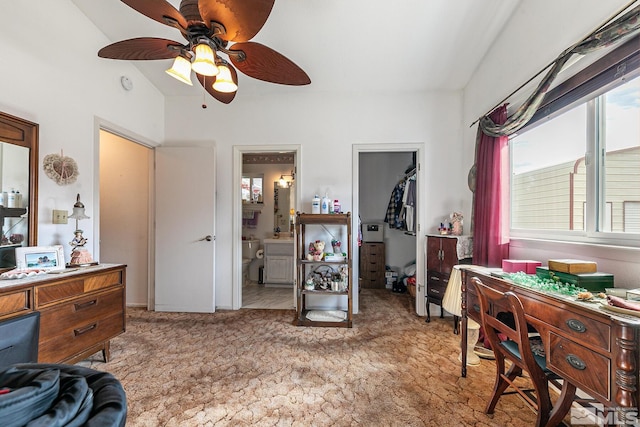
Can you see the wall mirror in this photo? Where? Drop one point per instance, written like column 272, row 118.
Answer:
column 18, row 186
column 281, row 207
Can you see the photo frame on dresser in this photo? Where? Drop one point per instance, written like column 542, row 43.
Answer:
column 48, row 258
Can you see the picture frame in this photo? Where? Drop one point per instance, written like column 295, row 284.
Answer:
column 48, row 258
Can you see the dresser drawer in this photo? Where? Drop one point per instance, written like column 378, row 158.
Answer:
column 80, row 312
column 76, row 340
column 436, row 284
column 589, row 371
column 576, row 327
column 60, row 291
column 15, row 302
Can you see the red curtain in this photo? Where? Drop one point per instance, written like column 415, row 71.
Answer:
column 491, row 201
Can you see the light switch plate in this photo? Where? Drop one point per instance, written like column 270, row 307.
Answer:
column 60, row 217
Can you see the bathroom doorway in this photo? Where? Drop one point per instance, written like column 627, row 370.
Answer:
column 268, row 185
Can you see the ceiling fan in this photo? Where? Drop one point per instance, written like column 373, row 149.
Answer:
column 209, row 26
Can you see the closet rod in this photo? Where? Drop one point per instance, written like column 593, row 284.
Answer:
column 553, row 62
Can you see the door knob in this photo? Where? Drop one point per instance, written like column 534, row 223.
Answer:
column 208, row 238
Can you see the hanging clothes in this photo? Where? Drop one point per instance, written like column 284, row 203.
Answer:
column 394, row 209
column 401, row 209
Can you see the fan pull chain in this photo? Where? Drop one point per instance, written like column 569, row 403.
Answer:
column 204, row 99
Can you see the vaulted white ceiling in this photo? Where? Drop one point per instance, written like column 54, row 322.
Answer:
column 343, row 45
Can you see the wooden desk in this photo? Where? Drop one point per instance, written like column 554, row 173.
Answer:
column 597, row 351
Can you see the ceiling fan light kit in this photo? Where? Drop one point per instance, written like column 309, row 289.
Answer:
column 224, row 80
column 181, row 70
column 204, row 63
column 209, row 26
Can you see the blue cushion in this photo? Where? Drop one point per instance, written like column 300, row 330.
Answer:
column 32, row 391
column 538, row 351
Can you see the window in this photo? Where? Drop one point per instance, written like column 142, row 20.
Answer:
column 575, row 169
column 252, row 188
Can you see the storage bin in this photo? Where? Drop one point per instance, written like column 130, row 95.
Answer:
column 590, row 281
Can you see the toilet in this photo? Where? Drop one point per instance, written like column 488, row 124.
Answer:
column 249, row 249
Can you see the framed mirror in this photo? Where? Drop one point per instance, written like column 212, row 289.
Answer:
column 281, row 207
column 18, row 186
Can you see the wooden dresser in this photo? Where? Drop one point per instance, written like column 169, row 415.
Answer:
column 443, row 252
column 372, row 265
column 80, row 311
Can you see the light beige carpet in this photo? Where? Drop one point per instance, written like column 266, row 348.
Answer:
column 253, row 367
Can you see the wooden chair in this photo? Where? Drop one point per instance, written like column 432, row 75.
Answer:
column 517, row 349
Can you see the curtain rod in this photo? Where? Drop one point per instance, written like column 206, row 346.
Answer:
column 552, row 62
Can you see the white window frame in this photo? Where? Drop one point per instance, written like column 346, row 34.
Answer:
column 594, row 185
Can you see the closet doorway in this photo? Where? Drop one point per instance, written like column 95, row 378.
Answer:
column 389, row 209
column 125, row 215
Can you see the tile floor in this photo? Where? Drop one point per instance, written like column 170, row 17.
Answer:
column 255, row 295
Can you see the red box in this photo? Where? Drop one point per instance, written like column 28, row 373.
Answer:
column 515, row 265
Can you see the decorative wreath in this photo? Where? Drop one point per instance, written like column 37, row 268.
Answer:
column 61, row 169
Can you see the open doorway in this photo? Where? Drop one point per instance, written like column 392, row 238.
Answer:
column 390, row 255
column 267, row 205
column 126, row 171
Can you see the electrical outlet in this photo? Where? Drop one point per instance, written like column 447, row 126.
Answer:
column 60, row 217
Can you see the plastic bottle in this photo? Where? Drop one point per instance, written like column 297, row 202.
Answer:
column 336, row 206
column 324, row 208
column 315, row 205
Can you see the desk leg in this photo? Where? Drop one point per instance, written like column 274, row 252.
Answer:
column 626, row 372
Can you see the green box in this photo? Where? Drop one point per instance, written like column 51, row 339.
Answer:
column 590, row 281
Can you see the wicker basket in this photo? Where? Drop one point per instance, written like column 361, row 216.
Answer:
column 412, row 289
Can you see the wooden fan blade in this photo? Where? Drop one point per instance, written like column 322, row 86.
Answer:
column 242, row 19
column 223, row 97
column 264, row 63
column 156, row 10
column 143, row 48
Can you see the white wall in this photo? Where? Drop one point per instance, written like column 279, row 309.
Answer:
column 64, row 89
column 538, row 32
column 326, row 127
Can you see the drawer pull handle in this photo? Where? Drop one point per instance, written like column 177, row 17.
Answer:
column 82, row 306
column 435, row 278
column 576, row 362
column 476, row 307
column 80, row 331
column 434, row 291
column 576, row 325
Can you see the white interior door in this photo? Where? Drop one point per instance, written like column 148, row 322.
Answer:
column 185, row 232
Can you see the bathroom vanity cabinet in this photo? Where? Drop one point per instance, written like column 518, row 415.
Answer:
column 278, row 261
column 323, row 282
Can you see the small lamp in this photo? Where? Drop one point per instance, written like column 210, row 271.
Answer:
column 79, row 255
column 181, row 70
column 205, row 63
column 226, row 81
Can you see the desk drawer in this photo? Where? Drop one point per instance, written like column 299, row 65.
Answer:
column 589, row 371
column 576, row 327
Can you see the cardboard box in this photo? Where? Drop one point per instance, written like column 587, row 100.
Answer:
column 590, row 281
column 516, row 265
column 573, row 266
